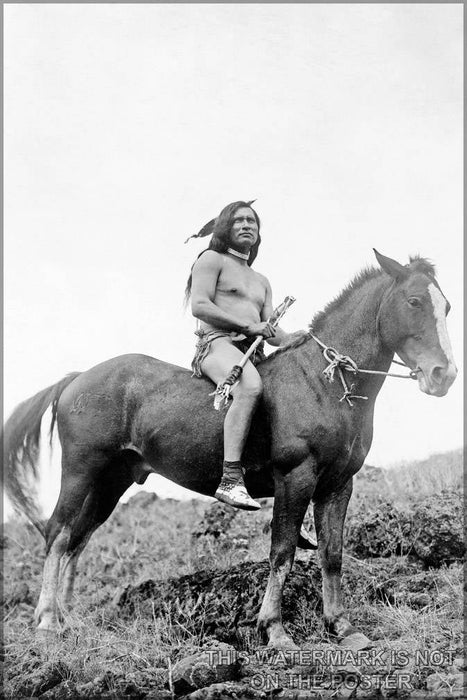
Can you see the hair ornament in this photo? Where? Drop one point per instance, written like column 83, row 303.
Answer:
column 209, row 227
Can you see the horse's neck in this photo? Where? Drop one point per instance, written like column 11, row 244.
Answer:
column 351, row 328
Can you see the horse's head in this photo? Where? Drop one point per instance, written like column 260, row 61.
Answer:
column 412, row 322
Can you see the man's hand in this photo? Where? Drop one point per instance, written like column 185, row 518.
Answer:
column 283, row 339
column 263, row 328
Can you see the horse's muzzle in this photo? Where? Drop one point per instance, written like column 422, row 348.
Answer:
column 436, row 380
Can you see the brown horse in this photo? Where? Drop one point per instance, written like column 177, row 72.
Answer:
column 134, row 415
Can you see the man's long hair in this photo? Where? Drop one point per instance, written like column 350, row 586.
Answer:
column 220, row 240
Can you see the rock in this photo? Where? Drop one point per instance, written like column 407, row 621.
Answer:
column 209, row 666
column 225, row 691
column 356, row 641
column 111, row 685
column 418, row 600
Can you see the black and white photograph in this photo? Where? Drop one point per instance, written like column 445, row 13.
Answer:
column 233, row 345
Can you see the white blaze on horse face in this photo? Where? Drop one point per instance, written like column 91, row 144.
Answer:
column 439, row 308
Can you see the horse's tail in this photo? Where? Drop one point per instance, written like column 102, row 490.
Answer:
column 21, row 440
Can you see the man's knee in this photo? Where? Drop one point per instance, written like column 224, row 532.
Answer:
column 250, row 387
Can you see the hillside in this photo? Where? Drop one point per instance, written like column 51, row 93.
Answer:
column 160, row 580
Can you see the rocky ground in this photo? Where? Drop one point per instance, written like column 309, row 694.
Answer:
column 167, row 602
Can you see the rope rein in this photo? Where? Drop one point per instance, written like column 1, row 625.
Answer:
column 338, row 362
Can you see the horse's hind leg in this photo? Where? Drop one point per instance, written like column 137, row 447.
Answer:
column 329, row 515
column 292, row 496
column 68, row 569
column 86, row 500
column 106, row 492
column 46, row 613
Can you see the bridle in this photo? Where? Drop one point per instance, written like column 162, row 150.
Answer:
column 339, row 362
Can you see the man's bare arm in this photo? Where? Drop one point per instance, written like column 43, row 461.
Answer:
column 205, row 275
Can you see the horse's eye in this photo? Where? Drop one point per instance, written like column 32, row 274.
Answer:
column 416, row 303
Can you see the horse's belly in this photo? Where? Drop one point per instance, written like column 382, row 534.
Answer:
column 186, row 446
column 185, row 453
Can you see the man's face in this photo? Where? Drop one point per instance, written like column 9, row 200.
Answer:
column 244, row 231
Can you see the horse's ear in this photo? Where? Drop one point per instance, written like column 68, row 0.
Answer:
column 392, row 267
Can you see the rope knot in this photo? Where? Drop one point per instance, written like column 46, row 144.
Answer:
column 348, row 395
column 337, row 361
column 342, row 362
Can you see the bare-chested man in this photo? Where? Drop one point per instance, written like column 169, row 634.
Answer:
column 233, row 303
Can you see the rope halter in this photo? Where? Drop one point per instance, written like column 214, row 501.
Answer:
column 338, row 362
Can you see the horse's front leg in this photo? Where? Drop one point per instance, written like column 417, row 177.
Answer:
column 329, row 513
column 293, row 491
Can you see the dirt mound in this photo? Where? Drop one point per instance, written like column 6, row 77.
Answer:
column 371, row 475
column 225, row 533
column 222, row 522
column 40, row 678
column 227, row 602
column 431, row 532
column 396, row 581
column 379, row 532
column 438, row 535
column 228, row 535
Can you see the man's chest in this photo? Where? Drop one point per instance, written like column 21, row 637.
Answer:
column 244, row 284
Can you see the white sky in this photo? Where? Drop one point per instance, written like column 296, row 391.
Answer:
column 127, row 127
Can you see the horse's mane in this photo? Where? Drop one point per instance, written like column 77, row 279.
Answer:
column 416, row 264
column 358, row 281
column 419, row 264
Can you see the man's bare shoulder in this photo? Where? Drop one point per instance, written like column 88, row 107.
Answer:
column 263, row 279
column 209, row 260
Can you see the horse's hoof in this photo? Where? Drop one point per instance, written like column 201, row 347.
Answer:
column 355, row 641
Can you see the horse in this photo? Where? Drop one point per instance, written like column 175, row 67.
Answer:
column 134, row 415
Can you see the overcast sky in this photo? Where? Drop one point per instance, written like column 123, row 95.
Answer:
column 128, row 127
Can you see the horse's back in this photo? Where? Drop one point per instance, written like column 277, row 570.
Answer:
column 131, row 363
column 122, row 370
column 110, row 394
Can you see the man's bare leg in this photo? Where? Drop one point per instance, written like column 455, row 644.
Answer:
column 222, row 357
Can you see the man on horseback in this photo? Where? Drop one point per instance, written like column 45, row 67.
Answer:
column 232, row 303
column 121, row 420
